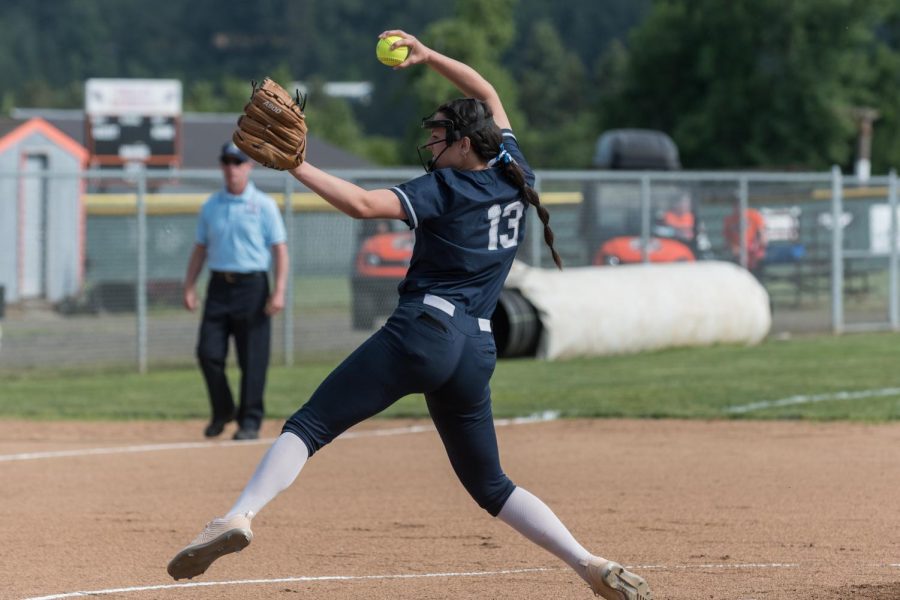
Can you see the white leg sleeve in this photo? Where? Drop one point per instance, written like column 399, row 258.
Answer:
column 528, row 515
column 276, row 471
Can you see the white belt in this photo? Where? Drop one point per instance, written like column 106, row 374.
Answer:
column 449, row 308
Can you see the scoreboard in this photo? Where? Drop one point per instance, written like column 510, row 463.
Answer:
column 133, row 121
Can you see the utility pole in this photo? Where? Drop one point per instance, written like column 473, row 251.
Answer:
column 864, row 117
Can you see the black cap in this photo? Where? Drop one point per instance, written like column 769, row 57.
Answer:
column 230, row 150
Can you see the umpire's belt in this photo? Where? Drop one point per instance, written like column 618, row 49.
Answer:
column 234, row 277
column 450, row 308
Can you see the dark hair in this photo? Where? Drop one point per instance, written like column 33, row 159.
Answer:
column 474, row 119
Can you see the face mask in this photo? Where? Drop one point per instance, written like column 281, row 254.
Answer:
column 451, row 137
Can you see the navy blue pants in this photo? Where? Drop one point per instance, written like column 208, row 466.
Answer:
column 420, row 349
column 236, row 307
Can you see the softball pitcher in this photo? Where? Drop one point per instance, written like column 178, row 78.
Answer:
column 468, row 213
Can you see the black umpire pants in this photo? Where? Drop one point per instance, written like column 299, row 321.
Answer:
column 235, row 307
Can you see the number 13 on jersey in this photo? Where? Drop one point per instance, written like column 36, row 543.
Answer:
column 513, row 214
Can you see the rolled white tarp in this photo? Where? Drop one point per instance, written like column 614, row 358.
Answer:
column 593, row 311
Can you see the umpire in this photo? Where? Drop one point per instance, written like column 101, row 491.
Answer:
column 240, row 234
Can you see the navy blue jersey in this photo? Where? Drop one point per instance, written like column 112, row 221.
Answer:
column 468, row 226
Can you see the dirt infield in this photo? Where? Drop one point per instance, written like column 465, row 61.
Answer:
column 705, row 510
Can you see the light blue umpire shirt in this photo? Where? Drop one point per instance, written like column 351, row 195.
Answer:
column 239, row 231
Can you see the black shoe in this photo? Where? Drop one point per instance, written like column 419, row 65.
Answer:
column 216, row 427
column 246, row 434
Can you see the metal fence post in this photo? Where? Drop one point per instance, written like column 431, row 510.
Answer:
column 141, row 287
column 744, row 204
column 893, row 304
column 645, row 219
column 837, row 251
column 289, row 292
column 534, row 247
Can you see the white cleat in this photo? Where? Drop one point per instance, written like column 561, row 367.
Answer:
column 219, row 537
column 612, row 581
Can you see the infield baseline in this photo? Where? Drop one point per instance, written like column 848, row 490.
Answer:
column 542, row 417
column 808, row 399
column 198, row 584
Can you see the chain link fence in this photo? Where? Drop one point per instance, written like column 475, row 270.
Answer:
column 91, row 263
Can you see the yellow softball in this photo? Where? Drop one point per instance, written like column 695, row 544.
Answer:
column 391, row 58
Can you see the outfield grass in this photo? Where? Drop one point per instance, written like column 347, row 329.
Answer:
column 680, row 383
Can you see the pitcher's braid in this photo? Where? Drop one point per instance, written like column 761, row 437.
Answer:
column 544, row 216
column 486, row 142
column 514, row 172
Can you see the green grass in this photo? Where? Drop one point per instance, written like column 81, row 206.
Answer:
column 321, row 292
column 697, row 383
column 312, row 294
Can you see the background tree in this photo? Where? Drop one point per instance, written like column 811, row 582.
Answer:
column 333, row 120
column 884, row 84
column 478, row 35
column 749, row 83
column 48, row 51
column 555, row 98
column 225, row 95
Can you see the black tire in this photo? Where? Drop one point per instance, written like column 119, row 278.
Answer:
column 516, row 326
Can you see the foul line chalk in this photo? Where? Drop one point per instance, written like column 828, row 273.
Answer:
column 716, row 566
column 198, row 584
column 284, row 580
column 536, row 418
column 795, row 400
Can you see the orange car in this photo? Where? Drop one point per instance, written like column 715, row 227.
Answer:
column 381, row 263
column 627, row 249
